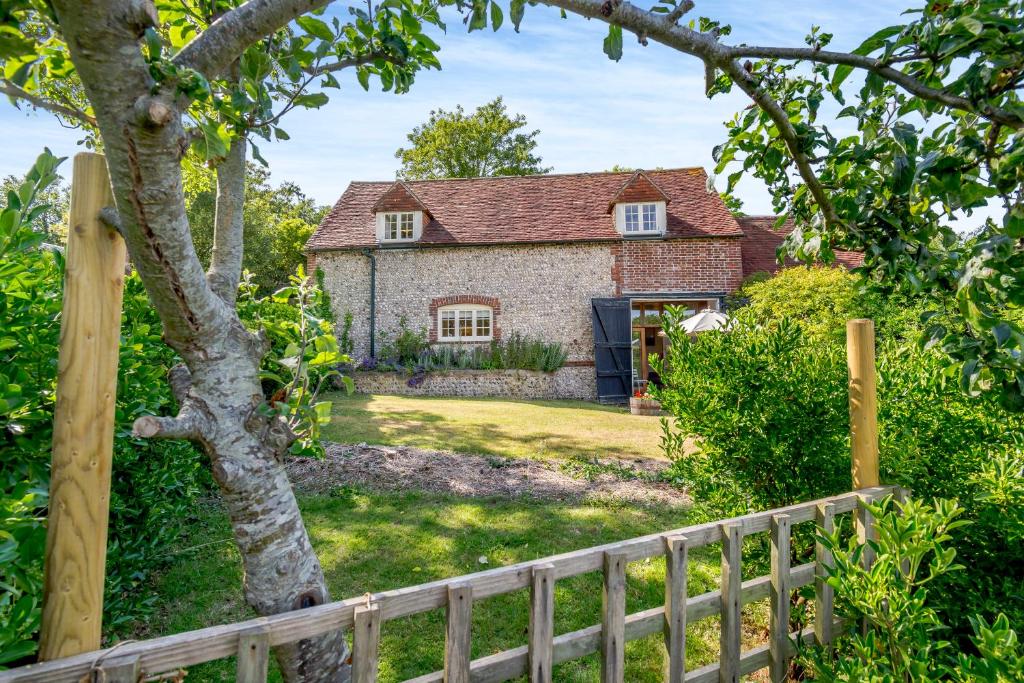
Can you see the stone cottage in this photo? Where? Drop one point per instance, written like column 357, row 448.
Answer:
column 587, row 259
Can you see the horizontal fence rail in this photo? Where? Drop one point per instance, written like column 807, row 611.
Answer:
column 250, row 641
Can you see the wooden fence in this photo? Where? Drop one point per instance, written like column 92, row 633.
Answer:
column 251, row 640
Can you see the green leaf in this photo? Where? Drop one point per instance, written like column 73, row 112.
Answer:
column 312, row 100
column 613, row 43
column 496, row 16
column 516, row 10
column 363, row 76
column 315, row 27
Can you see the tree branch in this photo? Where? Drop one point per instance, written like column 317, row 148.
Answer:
column 355, row 61
column 877, row 66
column 15, row 92
column 706, row 47
column 213, row 50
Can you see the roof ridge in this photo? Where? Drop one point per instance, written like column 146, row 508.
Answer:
column 532, row 175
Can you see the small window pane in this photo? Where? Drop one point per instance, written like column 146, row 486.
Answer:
column 390, row 226
column 632, row 218
column 448, row 324
column 465, row 323
column 483, row 323
column 650, row 217
column 406, row 231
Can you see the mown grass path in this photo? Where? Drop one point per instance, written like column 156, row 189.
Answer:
column 484, row 426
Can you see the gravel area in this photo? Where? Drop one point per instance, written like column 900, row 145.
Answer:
column 385, row 468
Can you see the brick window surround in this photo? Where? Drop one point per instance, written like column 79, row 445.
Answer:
column 489, row 301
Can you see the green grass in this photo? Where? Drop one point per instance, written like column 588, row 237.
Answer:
column 524, row 429
column 373, row 542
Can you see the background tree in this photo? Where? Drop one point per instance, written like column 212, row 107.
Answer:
column 53, row 200
column 939, row 123
column 276, row 222
column 487, row 142
column 157, row 80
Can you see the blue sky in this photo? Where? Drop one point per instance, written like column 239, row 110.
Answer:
column 645, row 111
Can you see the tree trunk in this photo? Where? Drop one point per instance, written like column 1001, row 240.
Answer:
column 218, row 387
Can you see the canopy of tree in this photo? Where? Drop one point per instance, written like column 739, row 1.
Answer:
column 488, row 142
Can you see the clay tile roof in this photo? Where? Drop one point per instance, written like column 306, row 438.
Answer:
column 518, row 209
column 761, row 240
column 639, row 188
column 399, row 197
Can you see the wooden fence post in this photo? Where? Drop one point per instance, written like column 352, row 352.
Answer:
column 824, row 594
column 732, row 551
column 365, row 644
column 860, row 359
column 540, row 648
column 613, row 618
column 778, row 643
column 676, row 560
column 83, row 424
column 459, row 633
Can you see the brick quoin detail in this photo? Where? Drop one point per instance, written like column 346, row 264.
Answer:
column 697, row 265
column 489, row 301
column 311, row 263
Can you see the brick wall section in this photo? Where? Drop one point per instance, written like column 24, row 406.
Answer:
column 398, row 198
column 490, row 301
column 310, row 263
column 698, row 265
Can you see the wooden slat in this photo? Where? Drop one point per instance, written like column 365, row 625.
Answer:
column 613, row 619
column 751, row 660
column 732, row 548
column 675, row 608
column 253, row 655
column 459, row 633
column 865, row 524
column 510, row 664
column 120, row 670
column 824, row 594
column 187, row 649
column 542, row 623
column 365, row 644
column 778, row 638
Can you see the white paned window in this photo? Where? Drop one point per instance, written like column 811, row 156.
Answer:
column 641, row 218
column 465, row 322
column 399, row 226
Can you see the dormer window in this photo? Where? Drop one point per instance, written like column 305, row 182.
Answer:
column 399, row 226
column 636, row 219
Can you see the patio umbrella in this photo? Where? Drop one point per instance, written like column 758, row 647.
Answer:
column 704, row 321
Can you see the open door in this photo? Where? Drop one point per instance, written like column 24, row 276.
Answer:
column 612, row 349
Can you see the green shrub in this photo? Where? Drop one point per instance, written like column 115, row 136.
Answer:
column 897, row 634
column 154, row 484
column 766, row 408
column 404, row 347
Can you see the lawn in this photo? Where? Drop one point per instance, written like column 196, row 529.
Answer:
column 373, row 542
column 525, row 429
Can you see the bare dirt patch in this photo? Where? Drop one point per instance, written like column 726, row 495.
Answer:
column 401, row 468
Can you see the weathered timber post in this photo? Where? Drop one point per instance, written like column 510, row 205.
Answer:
column 860, row 359
column 83, row 424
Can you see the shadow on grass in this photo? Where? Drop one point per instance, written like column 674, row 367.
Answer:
column 369, row 542
column 576, row 430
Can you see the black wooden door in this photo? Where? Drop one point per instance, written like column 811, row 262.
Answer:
column 612, row 349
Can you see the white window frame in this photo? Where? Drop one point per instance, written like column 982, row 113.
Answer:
column 456, row 312
column 382, row 226
column 643, row 211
